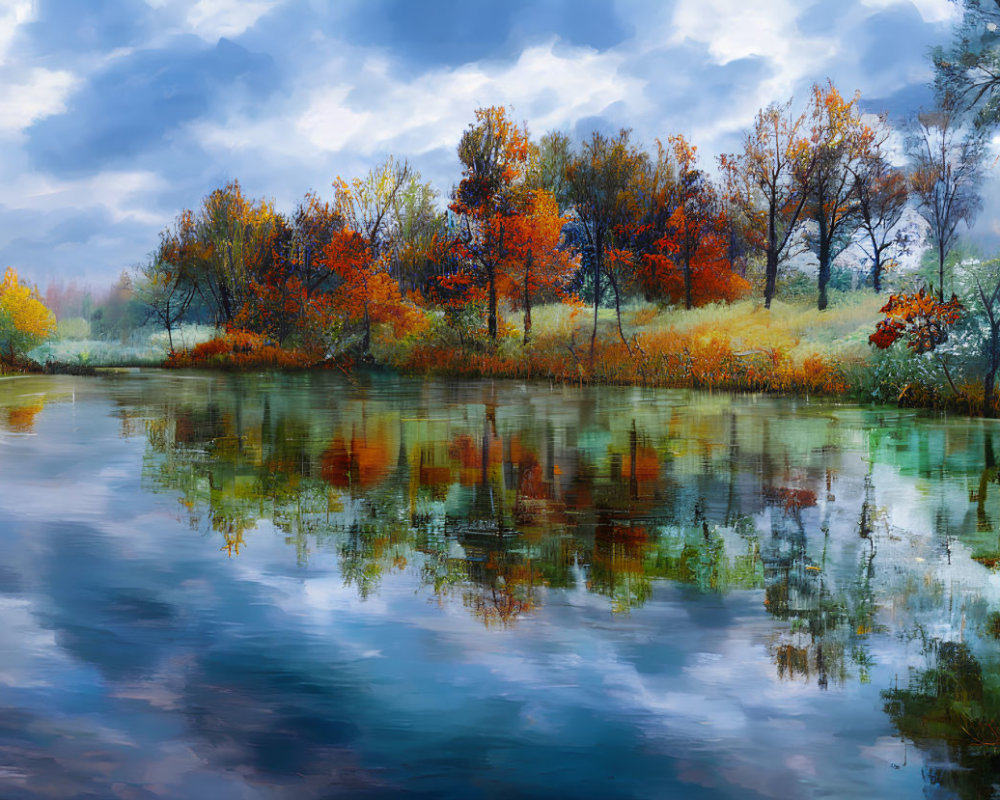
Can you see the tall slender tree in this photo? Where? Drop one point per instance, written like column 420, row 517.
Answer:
column 882, row 193
column 601, row 177
column 946, row 159
column 839, row 141
column 494, row 153
column 767, row 182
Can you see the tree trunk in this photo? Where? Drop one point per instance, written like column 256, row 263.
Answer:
column 618, row 313
column 687, row 279
column 527, row 301
column 492, row 316
column 877, row 274
column 597, row 301
column 366, row 341
column 770, row 276
column 941, row 255
column 771, row 249
column 990, row 377
column 824, row 265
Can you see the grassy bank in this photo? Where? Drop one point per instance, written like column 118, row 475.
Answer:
column 791, row 348
column 740, row 347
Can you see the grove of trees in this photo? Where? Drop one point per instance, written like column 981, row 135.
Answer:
column 540, row 221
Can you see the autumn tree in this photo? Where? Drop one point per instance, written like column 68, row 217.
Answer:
column 881, row 192
column 25, row 322
column 368, row 206
column 767, row 182
column 241, row 234
column 536, row 266
column 946, row 161
column 918, row 319
column 601, row 177
column 227, row 245
column 367, row 294
column 687, row 261
column 839, row 141
column 312, row 226
column 494, row 154
column 291, row 296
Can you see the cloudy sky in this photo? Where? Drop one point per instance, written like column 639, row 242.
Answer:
column 117, row 114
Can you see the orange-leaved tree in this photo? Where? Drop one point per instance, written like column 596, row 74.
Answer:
column 225, row 248
column 364, row 254
column 535, row 268
column 367, row 295
column 924, row 323
column 24, row 320
column 242, row 234
column 494, row 153
column 290, row 296
column 688, row 261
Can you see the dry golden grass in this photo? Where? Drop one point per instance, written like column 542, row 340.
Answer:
column 742, row 346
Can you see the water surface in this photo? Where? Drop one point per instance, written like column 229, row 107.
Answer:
column 270, row 586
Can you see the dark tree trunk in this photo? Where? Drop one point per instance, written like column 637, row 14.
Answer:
column 687, row 280
column 597, row 299
column 771, row 268
column 492, row 317
column 990, row 377
column 824, row 266
column 941, row 257
column 618, row 313
column 527, row 301
column 770, row 276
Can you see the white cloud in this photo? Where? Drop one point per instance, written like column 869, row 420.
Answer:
column 121, row 193
column 212, row 19
column 734, row 29
column 12, row 17
column 548, row 87
column 930, row 10
column 30, row 96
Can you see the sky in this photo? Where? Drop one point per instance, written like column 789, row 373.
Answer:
column 115, row 115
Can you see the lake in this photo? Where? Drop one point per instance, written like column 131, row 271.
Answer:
column 314, row 585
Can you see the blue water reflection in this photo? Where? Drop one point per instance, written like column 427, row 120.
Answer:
column 302, row 586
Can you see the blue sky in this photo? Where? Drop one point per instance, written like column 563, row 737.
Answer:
column 117, row 114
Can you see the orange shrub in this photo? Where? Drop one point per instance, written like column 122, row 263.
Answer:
column 239, row 349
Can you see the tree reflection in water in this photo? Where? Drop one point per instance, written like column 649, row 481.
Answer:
column 499, row 497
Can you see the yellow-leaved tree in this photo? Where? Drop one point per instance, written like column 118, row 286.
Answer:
column 24, row 320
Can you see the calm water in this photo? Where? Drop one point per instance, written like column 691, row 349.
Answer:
column 302, row 586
